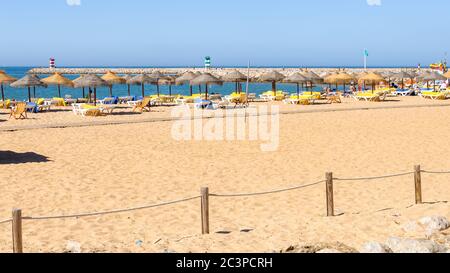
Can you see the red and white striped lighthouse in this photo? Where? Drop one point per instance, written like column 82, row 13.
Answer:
column 52, row 63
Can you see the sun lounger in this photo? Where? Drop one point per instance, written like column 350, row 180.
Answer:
column 367, row 96
column 5, row 104
column 143, row 105
column 108, row 100
column 19, row 111
column 124, row 100
column 403, row 93
column 434, row 95
column 84, row 110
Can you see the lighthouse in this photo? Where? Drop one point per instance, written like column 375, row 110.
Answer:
column 52, row 63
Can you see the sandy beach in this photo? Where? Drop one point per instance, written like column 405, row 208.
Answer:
column 89, row 167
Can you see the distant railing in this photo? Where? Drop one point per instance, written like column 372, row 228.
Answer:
column 17, row 217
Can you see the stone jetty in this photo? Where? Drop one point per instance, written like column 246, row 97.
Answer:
column 217, row 71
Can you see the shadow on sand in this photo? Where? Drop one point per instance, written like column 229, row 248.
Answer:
column 9, row 157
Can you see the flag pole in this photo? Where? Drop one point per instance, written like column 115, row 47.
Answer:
column 366, row 53
column 248, row 78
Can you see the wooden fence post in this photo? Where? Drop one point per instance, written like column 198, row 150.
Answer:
column 330, row 197
column 205, row 210
column 17, row 230
column 418, row 184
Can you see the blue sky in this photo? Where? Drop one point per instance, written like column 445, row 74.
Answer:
column 181, row 32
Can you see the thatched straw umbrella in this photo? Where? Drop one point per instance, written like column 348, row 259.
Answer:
column 341, row 78
column 273, row 77
column 127, row 78
column 206, row 79
column 373, row 78
column 432, row 76
column 168, row 80
column 401, row 76
column 27, row 82
column 298, row 79
column 155, row 76
column 78, row 80
column 312, row 78
column 236, row 77
column 5, row 79
column 111, row 78
column 141, row 80
column 91, row 81
column 186, row 78
column 58, row 80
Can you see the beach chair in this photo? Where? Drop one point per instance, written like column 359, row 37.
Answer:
column 403, row 93
column 45, row 106
column 5, row 104
column 367, row 96
column 143, row 105
column 242, row 100
column 334, row 99
column 19, row 111
column 251, row 97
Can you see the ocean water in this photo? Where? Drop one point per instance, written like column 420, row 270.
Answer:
column 21, row 94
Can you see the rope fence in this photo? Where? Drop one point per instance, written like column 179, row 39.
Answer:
column 268, row 192
column 110, row 211
column 443, row 172
column 17, row 217
column 374, row 177
column 5, row 221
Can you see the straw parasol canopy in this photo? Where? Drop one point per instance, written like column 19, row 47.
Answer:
column 339, row 78
column 402, row 75
column 27, row 82
column 111, row 78
column 372, row 78
column 273, row 77
column 236, row 77
column 127, row 78
column 313, row 77
column 58, row 80
column 206, row 79
column 167, row 80
column 186, row 78
column 298, row 79
column 141, row 80
column 78, row 80
column 5, row 79
column 91, row 81
column 155, row 76
column 432, row 76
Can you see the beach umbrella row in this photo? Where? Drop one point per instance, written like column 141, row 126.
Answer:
column 197, row 78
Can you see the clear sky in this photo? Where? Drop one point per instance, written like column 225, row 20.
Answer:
column 182, row 32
